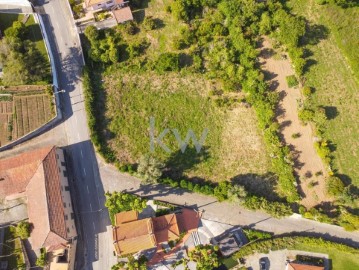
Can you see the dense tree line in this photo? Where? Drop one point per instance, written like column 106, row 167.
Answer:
column 22, row 62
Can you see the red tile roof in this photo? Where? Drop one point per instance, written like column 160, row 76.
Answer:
column 134, row 236
column 166, row 228
column 123, row 14
column 124, row 217
column 37, row 174
column 297, row 266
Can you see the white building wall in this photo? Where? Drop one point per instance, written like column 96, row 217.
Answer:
column 66, row 196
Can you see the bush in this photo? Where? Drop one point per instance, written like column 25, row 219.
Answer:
column 22, row 230
column 306, row 115
column 335, row 186
column 253, row 235
column 292, row 81
column 149, row 169
column 306, row 91
column 167, row 62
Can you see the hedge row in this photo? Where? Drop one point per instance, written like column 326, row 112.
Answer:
column 264, row 246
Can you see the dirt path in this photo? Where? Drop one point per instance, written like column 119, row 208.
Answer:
column 307, row 162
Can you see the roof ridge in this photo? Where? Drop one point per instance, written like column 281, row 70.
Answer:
column 53, row 233
column 40, row 163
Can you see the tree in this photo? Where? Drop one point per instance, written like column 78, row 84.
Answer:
column 18, row 30
column 42, row 260
column 22, row 230
column 167, row 62
column 335, row 186
column 119, row 201
column 91, row 33
column 132, row 264
column 149, row 23
column 206, row 257
column 150, row 169
column 236, row 193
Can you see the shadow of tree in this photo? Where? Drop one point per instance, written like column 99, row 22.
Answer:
column 261, row 185
column 331, row 112
column 178, row 163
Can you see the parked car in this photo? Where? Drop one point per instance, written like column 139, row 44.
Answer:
column 263, row 263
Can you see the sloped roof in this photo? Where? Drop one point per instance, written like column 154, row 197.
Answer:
column 188, row 220
column 124, row 217
column 37, row 174
column 89, row 3
column 134, row 236
column 16, row 172
column 166, row 228
column 297, row 266
column 123, row 14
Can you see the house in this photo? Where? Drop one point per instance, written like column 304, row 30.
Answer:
column 303, row 266
column 103, row 4
column 131, row 235
column 122, row 15
column 41, row 177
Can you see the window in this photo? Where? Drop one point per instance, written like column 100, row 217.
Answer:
column 67, row 188
column 63, row 163
column 65, row 173
column 57, row 156
column 69, row 204
column 66, row 217
column 72, row 215
column 65, row 205
column 109, row 2
column 68, row 230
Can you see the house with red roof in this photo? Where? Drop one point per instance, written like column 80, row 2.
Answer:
column 40, row 176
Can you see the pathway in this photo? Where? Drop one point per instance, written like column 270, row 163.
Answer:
column 307, row 163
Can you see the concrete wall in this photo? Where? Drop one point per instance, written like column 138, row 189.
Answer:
column 66, row 196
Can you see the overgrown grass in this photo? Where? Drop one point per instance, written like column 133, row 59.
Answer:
column 178, row 102
column 332, row 73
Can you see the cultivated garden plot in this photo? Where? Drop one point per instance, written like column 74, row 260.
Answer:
column 25, row 113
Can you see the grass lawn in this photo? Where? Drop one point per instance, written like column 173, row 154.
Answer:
column 33, row 29
column 335, row 76
column 176, row 101
column 340, row 260
column 16, row 260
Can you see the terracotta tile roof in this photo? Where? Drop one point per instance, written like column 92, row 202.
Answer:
column 124, row 217
column 123, row 14
column 297, row 266
column 37, row 174
column 166, row 228
column 16, row 172
column 188, row 220
column 134, row 236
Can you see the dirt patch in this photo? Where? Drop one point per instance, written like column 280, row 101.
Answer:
column 307, row 162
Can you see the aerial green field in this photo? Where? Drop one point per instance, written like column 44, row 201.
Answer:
column 33, row 29
column 335, row 77
column 339, row 259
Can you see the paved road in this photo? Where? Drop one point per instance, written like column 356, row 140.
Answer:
column 224, row 212
column 95, row 241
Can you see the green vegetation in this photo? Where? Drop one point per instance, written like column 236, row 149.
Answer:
column 206, row 257
column 12, row 247
column 343, row 257
column 117, row 202
column 22, row 230
column 253, row 235
column 149, row 169
column 333, row 73
column 42, row 259
column 292, row 81
column 22, row 56
column 132, row 264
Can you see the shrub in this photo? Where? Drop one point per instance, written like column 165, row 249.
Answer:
column 306, row 91
column 296, row 135
column 22, row 230
column 292, row 81
column 149, row 23
column 149, row 169
column 42, row 260
column 306, row 115
column 335, row 186
column 253, row 235
column 167, row 62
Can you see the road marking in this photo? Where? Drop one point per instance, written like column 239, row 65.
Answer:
column 88, row 189
column 91, row 207
column 93, row 224
column 82, row 155
column 84, row 171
